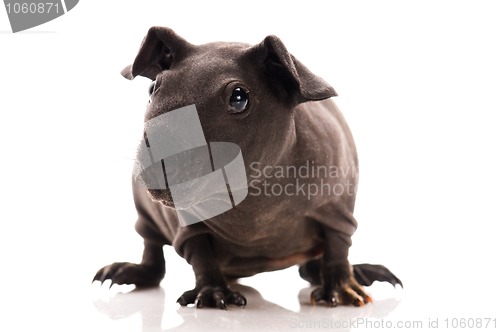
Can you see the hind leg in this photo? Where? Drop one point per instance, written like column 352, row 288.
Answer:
column 365, row 274
column 338, row 285
column 347, row 289
column 311, row 272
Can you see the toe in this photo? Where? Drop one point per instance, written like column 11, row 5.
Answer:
column 105, row 273
column 218, row 300
column 188, row 297
column 321, row 295
column 214, row 297
column 236, row 298
column 350, row 296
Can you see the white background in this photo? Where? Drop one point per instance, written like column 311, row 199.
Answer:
column 418, row 82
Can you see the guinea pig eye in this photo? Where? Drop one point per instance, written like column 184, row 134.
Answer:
column 238, row 101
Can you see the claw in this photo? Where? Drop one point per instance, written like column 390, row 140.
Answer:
column 123, row 273
column 333, row 302
column 349, row 293
column 241, row 302
column 357, row 296
column 222, row 305
column 237, row 299
column 215, row 297
column 98, row 276
column 101, row 275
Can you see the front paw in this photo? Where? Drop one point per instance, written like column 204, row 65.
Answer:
column 128, row 273
column 340, row 287
column 209, row 296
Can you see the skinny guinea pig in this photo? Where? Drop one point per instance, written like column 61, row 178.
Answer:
column 282, row 117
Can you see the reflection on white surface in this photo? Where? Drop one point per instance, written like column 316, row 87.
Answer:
column 277, row 301
column 159, row 312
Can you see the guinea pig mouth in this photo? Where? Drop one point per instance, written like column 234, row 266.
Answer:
column 198, row 195
column 163, row 196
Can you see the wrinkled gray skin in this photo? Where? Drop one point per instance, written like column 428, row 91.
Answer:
column 289, row 121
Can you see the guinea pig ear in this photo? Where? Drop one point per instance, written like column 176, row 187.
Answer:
column 159, row 49
column 297, row 81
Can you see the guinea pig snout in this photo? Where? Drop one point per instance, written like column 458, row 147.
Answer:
column 179, row 168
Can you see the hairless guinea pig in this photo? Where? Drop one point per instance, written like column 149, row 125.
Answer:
column 273, row 187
